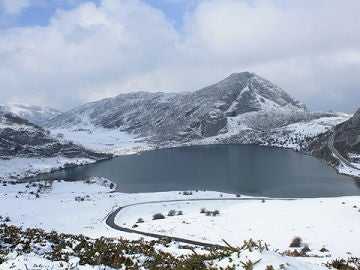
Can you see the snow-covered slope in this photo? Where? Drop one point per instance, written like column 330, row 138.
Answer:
column 35, row 114
column 167, row 118
column 26, row 149
column 346, row 141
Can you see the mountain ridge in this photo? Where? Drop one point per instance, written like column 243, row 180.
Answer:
column 178, row 117
column 33, row 113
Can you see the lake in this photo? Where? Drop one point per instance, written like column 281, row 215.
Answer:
column 244, row 169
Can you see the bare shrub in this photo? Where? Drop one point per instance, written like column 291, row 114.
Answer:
column 296, row 242
column 171, row 213
column 158, row 216
column 323, row 249
column 140, row 220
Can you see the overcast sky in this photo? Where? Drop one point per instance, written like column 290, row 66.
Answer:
column 63, row 53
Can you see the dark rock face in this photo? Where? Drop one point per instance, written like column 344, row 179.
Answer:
column 20, row 138
column 347, row 139
column 319, row 149
column 213, row 122
column 163, row 117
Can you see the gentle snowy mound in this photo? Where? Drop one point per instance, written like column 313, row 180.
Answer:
column 35, row 114
column 183, row 117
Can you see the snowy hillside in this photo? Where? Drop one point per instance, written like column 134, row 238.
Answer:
column 182, row 117
column 347, row 137
column 344, row 151
column 27, row 149
column 35, row 114
column 243, row 108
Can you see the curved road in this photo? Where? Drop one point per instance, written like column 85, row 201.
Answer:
column 338, row 155
column 110, row 220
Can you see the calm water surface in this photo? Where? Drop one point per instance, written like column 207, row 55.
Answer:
column 245, row 169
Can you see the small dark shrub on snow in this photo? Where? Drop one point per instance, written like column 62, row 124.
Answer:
column 140, row 220
column 296, row 242
column 158, row 216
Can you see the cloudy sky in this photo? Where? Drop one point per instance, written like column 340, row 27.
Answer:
column 62, row 53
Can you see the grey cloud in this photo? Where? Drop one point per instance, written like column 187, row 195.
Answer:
column 310, row 48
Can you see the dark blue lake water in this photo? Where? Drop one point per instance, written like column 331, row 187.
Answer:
column 245, row 169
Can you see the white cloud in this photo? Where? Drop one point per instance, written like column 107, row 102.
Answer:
column 84, row 50
column 14, row 6
column 310, row 48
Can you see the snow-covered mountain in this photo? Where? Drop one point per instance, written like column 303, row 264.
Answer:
column 21, row 138
column 241, row 100
column 35, row 114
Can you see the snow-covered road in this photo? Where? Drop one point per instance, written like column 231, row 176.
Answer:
column 110, row 220
column 338, row 155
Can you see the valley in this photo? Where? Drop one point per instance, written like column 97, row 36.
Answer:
column 231, row 135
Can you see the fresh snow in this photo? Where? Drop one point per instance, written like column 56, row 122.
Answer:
column 344, row 169
column 332, row 223
column 276, row 222
column 315, row 127
column 111, row 141
column 283, row 135
column 35, row 262
column 21, row 167
column 355, row 156
column 97, row 139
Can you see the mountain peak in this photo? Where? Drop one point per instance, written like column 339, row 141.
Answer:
column 245, row 75
column 182, row 117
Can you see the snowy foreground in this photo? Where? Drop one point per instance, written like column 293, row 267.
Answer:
column 330, row 224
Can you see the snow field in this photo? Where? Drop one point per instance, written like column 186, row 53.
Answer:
column 104, row 140
column 332, row 223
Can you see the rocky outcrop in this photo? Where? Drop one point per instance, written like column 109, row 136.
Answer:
column 213, row 122
column 347, row 137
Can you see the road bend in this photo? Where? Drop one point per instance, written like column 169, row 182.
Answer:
column 338, row 155
column 110, row 220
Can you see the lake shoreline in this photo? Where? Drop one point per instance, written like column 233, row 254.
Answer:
column 212, row 156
